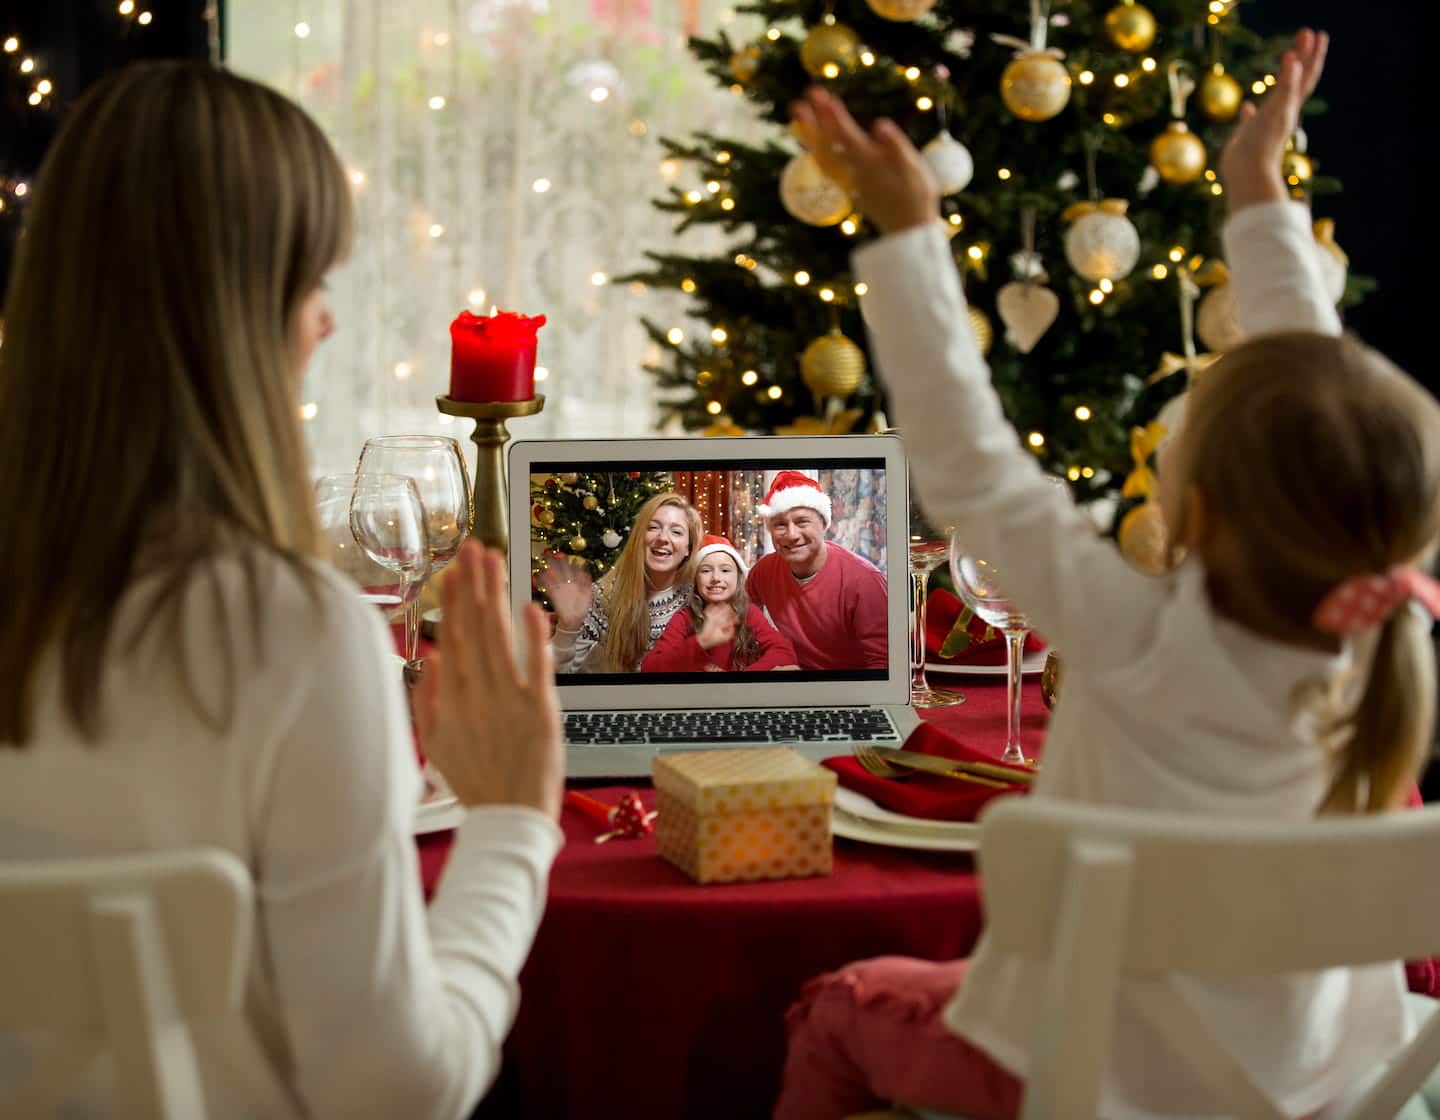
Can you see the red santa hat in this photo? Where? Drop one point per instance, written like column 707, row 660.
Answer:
column 714, row 543
column 793, row 490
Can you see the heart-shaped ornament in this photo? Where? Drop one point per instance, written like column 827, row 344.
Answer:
column 1027, row 310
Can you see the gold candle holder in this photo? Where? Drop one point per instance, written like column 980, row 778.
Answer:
column 491, row 526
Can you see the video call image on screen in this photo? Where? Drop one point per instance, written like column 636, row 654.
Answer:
column 672, row 572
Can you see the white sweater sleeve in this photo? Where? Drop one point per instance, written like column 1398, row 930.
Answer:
column 1275, row 271
column 969, row 468
column 389, row 1011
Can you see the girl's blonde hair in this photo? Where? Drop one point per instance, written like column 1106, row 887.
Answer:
column 627, row 634
column 1321, row 461
column 149, row 376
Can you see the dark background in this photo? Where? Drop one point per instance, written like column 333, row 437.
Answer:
column 1373, row 135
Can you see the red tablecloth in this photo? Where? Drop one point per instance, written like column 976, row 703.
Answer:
column 646, row 995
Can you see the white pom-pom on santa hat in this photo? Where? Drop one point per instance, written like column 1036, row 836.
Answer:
column 714, row 543
column 793, row 490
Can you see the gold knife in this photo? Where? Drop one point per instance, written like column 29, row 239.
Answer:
column 983, row 772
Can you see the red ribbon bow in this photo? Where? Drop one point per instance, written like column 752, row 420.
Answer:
column 1369, row 599
column 627, row 820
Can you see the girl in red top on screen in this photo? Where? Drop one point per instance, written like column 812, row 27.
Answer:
column 722, row 631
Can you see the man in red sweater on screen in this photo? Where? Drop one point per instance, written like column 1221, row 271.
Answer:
column 830, row 603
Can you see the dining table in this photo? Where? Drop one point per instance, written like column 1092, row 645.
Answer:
column 648, row 995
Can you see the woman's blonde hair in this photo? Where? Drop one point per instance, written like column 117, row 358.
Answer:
column 1321, row 461
column 149, row 376
column 627, row 634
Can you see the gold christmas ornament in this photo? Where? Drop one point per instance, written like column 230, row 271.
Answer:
column 744, row 64
column 984, row 332
column 590, row 501
column 832, row 365
column 1220, row 94
column 1035, row 86
column 1216, row 322
column 578, row 544
column 1142, row 538
column 1334, row 264
column 1027, row 309
column 1102, row 243
column 1297, row 168
column 546, row 517
column 810, row 195
column 829, row 50
column 900, row 10
column 1130, row 26
column 1178, row 154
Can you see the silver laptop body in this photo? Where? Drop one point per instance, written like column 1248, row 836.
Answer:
column 875, row 700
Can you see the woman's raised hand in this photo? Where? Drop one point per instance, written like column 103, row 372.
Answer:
column 1250, row 164
column 488, row 723
column 890, row 182
column 568, row 586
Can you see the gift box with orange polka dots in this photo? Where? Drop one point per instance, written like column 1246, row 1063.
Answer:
column 733, row 815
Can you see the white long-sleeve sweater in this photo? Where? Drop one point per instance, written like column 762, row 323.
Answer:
column 1167, row 705
column 359, row 1002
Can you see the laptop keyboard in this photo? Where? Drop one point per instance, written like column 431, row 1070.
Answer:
column 733, row 725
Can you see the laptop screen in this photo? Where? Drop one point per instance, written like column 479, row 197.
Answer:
column 688, row 570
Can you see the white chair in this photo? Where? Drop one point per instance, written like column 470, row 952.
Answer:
column 118, row 955
column 1094, row 894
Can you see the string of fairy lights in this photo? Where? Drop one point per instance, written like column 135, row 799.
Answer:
column 715, row 198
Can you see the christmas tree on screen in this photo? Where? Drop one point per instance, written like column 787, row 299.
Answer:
column 1076, row 145
column 587, row 515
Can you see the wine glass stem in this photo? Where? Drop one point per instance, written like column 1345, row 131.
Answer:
column 1014, row 659
column 919, row 587
column 412, row 629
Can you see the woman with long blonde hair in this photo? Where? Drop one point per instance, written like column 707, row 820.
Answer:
column 609, row 626
column 179, row 672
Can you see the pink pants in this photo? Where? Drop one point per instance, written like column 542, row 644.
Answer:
column 870, row 1035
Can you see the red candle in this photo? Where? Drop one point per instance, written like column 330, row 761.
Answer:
column 492, row 357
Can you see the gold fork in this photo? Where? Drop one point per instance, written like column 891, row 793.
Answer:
column 871, row 761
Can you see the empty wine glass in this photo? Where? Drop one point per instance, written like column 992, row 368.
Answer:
column 928, row 549
column 437, row 467
column 374, row 530
column 978, row 585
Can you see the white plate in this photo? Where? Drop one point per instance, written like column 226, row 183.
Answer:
column 856, row 817
column 439, row 809
column 1032, row 663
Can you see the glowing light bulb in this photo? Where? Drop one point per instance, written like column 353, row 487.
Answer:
column 912, row 72
column 848, row 227
column 861, row 288
column 675, row 336
column 541, row 373
column 1082, row 412
column 867, row 59
column 718, row 335
column 774, row 392
column 436, row 102
column 727, row 204
column 599, row 279
column 687, row 285
column 476, row 297
column 1003, row 173
column 713, row 408
column 1122, row 80
column 126, row 7
column 403, row 370
column 749, row 377
column 924, row 103
column 12, row 45
column 830, row 70
column 1097, row 297
column 143, row 19
column 1177, row 254
column 975, row 253
column 302, row 30
column 1035, row 439
column 1105, row 285
column 1147, row 64
column 599, row 94
column 1086, row 77
column 437, row 230
column 357, row 177
column 1159, row 272
column 27, row 65
column 802, row 278
column 1073, row 474
column 827, row 294
column 309, row 410
column 540, row 186
column 772, row 33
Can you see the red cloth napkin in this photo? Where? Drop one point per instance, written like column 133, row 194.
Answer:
column 925, row 795
column 941, row 610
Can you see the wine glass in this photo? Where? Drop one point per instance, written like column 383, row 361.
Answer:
column 374, row 529
column 437, row 466
column 978, row 585
column 928, row 549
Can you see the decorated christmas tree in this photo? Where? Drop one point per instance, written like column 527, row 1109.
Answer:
column 588, row 515
column 1076, row 147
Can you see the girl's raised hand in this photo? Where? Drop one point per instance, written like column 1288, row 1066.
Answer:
column 718, row 627
column 489, row 724
column 886, row 176
column 1250, row 164
column 568, row 586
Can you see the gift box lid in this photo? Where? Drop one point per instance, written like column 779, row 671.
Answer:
column 743, row 780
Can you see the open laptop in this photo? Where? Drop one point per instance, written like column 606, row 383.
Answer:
column 845, row 690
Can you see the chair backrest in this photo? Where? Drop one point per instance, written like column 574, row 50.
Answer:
column 1096, row 893
column 119, row 954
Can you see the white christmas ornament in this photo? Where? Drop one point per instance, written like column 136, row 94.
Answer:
column 950, row 162
column 1102, row 243
column 610, row 538
column 1027, row 310
column 810, row 195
